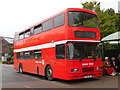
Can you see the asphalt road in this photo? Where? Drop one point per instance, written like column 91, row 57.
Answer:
column 12, row 79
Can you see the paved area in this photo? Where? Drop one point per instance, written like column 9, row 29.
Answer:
column 12, row 79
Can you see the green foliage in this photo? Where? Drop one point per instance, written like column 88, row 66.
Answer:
column 108, row 46
column 118, row 22
column 10, row 52
column 106, row 18
column 93, row 6
column 110, row 50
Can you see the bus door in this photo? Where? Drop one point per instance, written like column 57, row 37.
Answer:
column 37, row 61
column 60, row 60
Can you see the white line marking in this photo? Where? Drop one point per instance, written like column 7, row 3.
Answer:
column 27, row 86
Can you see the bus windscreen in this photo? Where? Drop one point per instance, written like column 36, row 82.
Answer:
column 83, row 51
column 82, row 19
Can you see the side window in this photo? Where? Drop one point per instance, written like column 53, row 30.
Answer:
column 21, row 35
column 60, row 51
column 27, row 33
column 27, row 55
column 16, row 37
column 37, row 54
column 37, row 29
column 20, row 55
column 59, row 20
column 47, row 25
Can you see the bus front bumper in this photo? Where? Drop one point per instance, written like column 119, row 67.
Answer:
column 72, row 76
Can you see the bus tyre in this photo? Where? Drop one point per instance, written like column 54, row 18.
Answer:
column 49, row 73
column 20, row 69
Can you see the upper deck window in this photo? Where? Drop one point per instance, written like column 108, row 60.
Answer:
column 47, row 25
column 27, row 33
column 82, row 19
column 37, row 29
column 21, row 35
column 59, row 20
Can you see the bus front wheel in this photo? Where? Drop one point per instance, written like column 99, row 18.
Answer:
column 49, row 73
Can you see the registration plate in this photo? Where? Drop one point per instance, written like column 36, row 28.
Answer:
column 89, row 76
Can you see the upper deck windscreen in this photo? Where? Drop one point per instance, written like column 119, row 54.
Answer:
column 82, row 19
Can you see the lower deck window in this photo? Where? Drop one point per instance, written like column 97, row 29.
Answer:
column 27, row 55
column 37, row 54
column 20, row 55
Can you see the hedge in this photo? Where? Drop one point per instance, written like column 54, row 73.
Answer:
column 7, row 62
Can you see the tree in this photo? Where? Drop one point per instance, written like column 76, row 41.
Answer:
column 106, row 18
column 118, row 22
column 10, row 51
column 93, row 6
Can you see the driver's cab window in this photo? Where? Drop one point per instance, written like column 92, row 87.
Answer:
column 60, row 51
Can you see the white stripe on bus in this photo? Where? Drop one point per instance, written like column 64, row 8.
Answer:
column 49, row 45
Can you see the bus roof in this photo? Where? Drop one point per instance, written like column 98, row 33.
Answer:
column 80, row 9
column 68, row 9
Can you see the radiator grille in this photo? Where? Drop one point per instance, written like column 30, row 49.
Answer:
column 87, row 69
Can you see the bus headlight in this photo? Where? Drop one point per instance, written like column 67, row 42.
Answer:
column 74, row 70
column 98, row 68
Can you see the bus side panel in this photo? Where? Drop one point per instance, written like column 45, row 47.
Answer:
column 58, row 65
column 23, row 62
column 60, row 68
column 16, row 65
column 33, row 66
column 47, row 59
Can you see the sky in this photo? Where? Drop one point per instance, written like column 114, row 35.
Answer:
column 16, row 15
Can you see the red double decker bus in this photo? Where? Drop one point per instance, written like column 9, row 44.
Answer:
column 64, row 46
